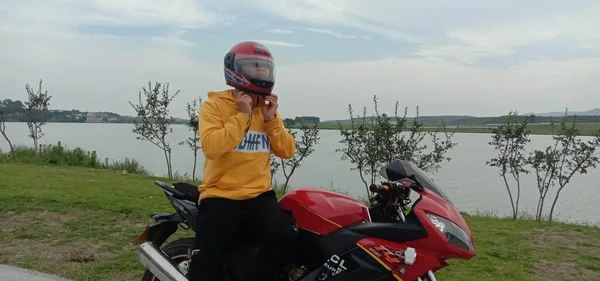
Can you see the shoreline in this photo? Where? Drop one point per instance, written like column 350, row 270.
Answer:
column 587, row 129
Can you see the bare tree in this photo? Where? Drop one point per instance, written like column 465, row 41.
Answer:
column 155, row 122
column 3, row 131
column 304, row 147
column 558, row 163
column 193, row 141
column 36, row 112
column 510, row 140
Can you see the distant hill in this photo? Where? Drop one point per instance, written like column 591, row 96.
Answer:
column 466, row 120
column 14, row 112
column 591, row 112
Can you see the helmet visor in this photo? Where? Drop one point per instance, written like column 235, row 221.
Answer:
column 255, row 68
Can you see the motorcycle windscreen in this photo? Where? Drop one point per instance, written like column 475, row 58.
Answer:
column 399, row 169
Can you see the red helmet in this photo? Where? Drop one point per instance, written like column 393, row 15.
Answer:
column 249, row 67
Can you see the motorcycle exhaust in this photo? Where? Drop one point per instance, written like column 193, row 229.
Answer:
column 158, row 263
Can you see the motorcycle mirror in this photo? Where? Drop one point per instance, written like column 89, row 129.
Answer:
column 397, row 170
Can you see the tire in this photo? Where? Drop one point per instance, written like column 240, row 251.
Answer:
column 177, row 250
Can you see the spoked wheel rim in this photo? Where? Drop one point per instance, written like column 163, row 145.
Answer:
column 429, row 276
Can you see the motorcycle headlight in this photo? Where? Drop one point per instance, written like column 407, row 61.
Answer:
column 455, row 235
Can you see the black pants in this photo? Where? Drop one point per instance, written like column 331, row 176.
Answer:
column 220, row 221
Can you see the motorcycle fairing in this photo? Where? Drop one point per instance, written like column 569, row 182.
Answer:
column 431, row 203
column 391, row 256
column 321, row 211
column 352, row 265
column 347, row 237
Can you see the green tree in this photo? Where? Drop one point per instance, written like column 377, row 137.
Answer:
column 558, row 163
column 509, row 140
column 36, row 112
column 304, row 147
column 289, row 122
column 155, row 120
column 193, row 141
column 11, row 107
column 356, row 147
column 307, row 119
column 373, row 142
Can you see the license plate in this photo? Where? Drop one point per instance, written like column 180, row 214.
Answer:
column 143, row 237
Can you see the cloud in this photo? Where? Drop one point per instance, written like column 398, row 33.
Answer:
column 500, row 39
column 105, row 70
column 438, row 86
column 183, row 13
column 281, row 31
column 315, row 30
column 116, row 13
column 471, row 29
column 172, row 41
column 330, row 12
column 332, row 33
column 101, row 71
column 468, row 54
column 278, row 43
column 575, row 27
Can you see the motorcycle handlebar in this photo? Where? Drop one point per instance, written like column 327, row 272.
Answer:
column 376, row 188
column 386, row 187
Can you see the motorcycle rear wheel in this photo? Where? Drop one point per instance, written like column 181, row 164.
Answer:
column 177, row 250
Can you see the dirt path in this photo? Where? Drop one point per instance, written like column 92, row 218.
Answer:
column 11, row 273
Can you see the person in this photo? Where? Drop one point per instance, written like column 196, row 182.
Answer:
column 238, row 129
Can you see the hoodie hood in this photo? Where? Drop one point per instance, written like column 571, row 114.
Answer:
column 225, row 95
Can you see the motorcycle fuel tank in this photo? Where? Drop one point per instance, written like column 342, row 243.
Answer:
column 321, row 211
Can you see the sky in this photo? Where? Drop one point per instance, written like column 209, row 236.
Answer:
column 461, row 57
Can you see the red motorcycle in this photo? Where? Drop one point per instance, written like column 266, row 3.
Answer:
column 339, row 238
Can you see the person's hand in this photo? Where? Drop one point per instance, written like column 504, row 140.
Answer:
column 244, row 102
column 269, row 107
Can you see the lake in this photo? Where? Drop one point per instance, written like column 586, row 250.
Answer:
column 471, row 185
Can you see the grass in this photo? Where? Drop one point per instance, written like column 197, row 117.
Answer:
column 62, row 155
column 587, row 129
column 79, row 222
column 75, row 222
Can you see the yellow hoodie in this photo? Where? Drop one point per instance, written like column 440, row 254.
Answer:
column 237, row 148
